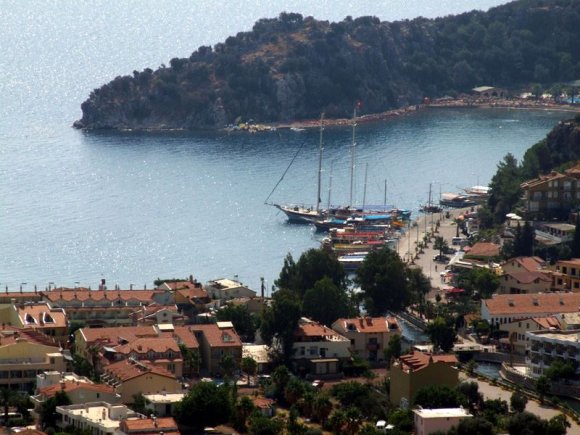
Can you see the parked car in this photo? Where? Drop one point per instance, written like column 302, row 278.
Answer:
column 317, row 383
column 441, row 258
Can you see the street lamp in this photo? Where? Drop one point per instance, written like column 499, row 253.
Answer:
column 22, row 284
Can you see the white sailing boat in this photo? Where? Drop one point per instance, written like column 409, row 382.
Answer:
column 300, row 213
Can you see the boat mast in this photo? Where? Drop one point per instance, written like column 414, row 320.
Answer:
column 330, row 184
column 429, row 203
column 352, row 153
column 365, row 189
column 385, row 200
column 318, row 200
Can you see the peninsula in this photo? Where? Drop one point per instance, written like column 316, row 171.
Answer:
column 293, row 68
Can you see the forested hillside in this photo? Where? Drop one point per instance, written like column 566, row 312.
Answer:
column 293, row 67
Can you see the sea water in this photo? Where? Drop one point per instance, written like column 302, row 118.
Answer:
column 76, row 207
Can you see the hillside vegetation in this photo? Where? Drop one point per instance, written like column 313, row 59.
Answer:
column 292, row 67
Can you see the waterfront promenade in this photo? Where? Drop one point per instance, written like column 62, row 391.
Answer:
column 418, row 228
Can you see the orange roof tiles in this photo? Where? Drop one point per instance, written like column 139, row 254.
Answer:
column 193, row 293
column 533, row 303
column 186, row 336
column 370, row 325
column 418, row 360
column 572, row 262
column 549, row 322
column 483, row 249
column 218, row 337
column 83, row 294
column 541, row 180
column 41, row 315
column 114, row 335
column 142, row 426
column 526, row 277
column 314, row 329
column 144, row 345
column 129, row 369
column 531, row 264
column 69, row 386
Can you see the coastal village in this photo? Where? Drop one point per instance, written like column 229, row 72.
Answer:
column 128, row 361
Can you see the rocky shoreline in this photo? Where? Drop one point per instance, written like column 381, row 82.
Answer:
column 462, row 103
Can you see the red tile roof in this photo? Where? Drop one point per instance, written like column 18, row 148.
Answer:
column 309, row 328
column 483, row 249
column 531, row 264
column 41, row 315
column 83, row 294
column 525, row 277
column 418, row 360
column 144, row 345
column 143, row 426
column 113, row 336
column 129, row 369
column 533, row 303
column 186, row 336
column 369, row 325
column 70, row 386
column 218, row 337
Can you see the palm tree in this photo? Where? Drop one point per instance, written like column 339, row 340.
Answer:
column 440, row 244
column 354, row 420
column 7, row 397
column 321, row 408
column 338, row 421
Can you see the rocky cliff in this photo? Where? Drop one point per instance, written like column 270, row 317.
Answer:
column 293, row 67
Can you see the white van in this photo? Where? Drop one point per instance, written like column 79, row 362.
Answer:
column 457, row 240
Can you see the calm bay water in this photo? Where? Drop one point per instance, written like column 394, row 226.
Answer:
column 78, row 207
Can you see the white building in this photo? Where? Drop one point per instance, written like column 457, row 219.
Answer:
column 428, row 421
column 225, row 289
column 546, row 346
column 100, row 418
column 318, row 349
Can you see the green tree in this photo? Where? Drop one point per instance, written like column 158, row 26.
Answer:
column 494, row 410
column 383, row 282
column 312, row 266
column 438, row 396
column 279, row 321
column 393, row 349
column 337, row 421
column 354, row 420
column 473, row 426
column 441, row 245
column 140, row 403
column 402, row 419
column 244, row 323
column 525, row 423
column 48, row 414
column 249, row 366
column 558, row 425
column 262, row 425
column 505, row 188
column 441, row 333
column 518, row 401
column 485, row 281
column 542, row 387
column 560, row 369
column 206, row 404
column 321, row 408
column 419, row 285
column 470, row 390
column 242, row 411
column 7, row 398
column 227, row 364
column 280, row 378
column 294, row 390
column 316, row 306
